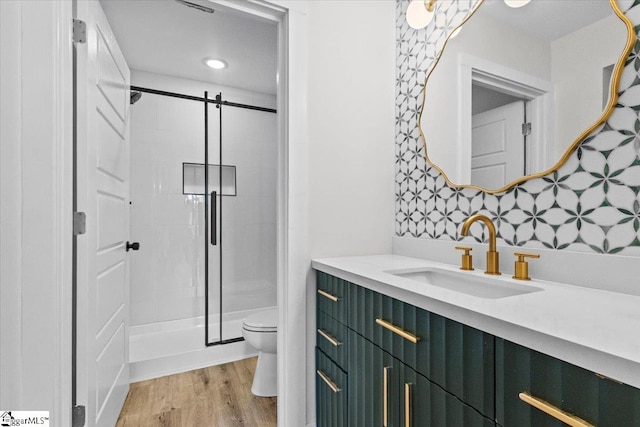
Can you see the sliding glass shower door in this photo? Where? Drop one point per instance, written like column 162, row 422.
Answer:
column 213, row 178
column 240, row 158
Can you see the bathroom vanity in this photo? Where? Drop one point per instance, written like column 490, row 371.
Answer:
column 398, row 349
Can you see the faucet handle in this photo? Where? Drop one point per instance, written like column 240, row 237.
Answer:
column 467, row 259
column 521, row 269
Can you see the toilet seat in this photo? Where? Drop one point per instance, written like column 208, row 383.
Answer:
column 264, row 321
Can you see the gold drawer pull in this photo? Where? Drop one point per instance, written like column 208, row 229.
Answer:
column 328, row 295
column 393, row 328
column 407, row 404
column 385, row 396
column 327, row 380
column 556, row 413
column 329, row 338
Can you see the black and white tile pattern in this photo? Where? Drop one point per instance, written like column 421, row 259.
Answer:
column 591, row 204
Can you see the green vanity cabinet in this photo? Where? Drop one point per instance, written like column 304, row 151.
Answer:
column 576, row 391
column 458, row 375
column 458, row 358
column 450, row 369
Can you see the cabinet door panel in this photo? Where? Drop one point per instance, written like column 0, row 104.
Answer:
column 458, row 358
column 331, row 403
column 367, row 364
column 574, row 390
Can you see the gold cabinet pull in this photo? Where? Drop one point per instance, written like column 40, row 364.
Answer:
column 385, row 396
column 396, row 330
column 328, row 295
column 329, row 338
column 555, row 412
column 327, row 380
column 407, row 404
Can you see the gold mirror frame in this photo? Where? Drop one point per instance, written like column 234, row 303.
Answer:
column 613, row 99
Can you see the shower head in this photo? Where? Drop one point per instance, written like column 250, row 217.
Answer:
column 196, row 6
column 135, row 96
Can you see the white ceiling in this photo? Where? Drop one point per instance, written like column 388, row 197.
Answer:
column 549, row 19
column 165, row 37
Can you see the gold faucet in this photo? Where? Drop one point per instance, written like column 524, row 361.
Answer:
column 493, row 262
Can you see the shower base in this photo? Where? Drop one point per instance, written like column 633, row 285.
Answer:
column 171, row 347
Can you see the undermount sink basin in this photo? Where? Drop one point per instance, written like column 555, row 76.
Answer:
column 466, row 283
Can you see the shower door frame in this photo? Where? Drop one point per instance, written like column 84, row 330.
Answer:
column 210, row 226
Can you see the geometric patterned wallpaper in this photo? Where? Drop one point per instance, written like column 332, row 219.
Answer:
column 591, row 204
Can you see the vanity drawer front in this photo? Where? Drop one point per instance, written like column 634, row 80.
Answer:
column 574, row 390
column 331, row 393
column 331, row 338
column 331, row 296
column 456, row 357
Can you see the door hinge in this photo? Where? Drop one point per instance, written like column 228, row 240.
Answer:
column 78, row 416
column 79, row 223
column 526, row 129
column 79, row 31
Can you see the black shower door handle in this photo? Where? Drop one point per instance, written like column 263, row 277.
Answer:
column 214, row 218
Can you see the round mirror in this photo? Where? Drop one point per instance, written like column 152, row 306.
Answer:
column 516, row 89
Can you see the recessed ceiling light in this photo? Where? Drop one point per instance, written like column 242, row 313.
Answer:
column 216, row 64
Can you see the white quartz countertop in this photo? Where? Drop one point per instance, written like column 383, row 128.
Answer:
column 595, row 329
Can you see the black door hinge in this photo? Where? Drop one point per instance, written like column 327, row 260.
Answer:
column 79, row 31
column 79, row 223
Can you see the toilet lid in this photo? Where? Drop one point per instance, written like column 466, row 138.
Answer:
column 263, row 321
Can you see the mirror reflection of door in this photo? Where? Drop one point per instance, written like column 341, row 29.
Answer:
column 498, row 143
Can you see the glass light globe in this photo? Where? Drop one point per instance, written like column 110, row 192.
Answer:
column 418, row 16
column 516, row 3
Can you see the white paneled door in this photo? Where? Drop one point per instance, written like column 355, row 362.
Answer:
column 497, row 146
column 103, row 193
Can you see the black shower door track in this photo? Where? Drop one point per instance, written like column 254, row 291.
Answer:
column 200, row 99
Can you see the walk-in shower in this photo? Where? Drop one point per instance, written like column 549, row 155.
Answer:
column 203, row 207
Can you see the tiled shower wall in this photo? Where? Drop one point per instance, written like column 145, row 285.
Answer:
column 591, row 204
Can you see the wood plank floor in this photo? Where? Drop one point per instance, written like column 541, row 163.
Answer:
column 217, row 396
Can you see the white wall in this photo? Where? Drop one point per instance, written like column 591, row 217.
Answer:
column 167, row 273
column 35, row 212
column 351, row 136
column 578, row 76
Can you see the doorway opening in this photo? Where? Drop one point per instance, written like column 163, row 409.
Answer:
column 135, row 151
column 484, row 84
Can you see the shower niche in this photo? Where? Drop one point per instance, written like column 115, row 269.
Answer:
column 193, row 179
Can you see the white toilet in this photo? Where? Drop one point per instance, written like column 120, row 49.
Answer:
column 260, row 331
